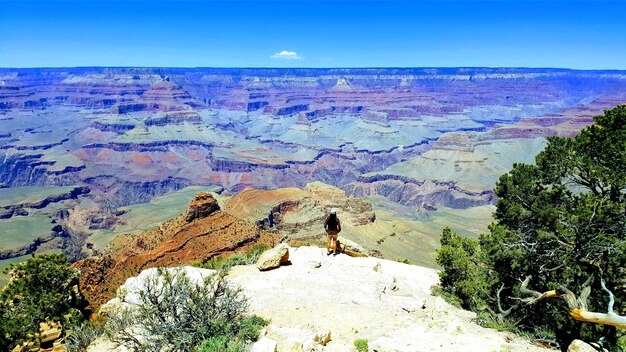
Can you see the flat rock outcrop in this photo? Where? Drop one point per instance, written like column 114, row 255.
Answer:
column 388, row 303
column 325, row 307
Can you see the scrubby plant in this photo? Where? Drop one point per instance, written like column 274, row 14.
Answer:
column 361, row 345
column 44, row 288
column 449, row 297
column 253, row 254
column 225, row 263
column 81, row 336
column 221, row 344
column 174, row 313
column 250, row 328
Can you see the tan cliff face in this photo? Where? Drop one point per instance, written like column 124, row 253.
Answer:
column 299, row 213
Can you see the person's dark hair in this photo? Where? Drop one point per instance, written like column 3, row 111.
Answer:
column 332, row 219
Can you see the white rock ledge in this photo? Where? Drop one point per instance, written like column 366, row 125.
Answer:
column 324, row 303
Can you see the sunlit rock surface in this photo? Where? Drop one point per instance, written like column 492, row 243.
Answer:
column 321, row 303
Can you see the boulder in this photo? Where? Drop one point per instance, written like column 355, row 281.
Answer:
column 350, row 248
column 264, row 345
column 273, row 258
column 47, row 339
column 49, row 331
column 203, row 205
column 580, row 346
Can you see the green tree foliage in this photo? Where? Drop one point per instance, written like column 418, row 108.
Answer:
column 562, row 221
column 43, row 288
column 463, row 275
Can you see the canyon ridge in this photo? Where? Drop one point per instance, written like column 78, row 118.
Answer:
column 93, row 156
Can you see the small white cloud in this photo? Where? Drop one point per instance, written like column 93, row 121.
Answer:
column 287, row 55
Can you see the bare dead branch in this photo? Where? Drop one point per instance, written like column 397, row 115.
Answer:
column 611, row 297
column 577, row 305
column 504, row 313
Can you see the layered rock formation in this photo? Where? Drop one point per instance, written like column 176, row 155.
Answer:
column 31, row 218
column 299, row 213
column 203, row 232
column 413, row 136
column 203, row 205
column 206, row 230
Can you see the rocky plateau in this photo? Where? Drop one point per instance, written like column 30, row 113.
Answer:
column 321, row 303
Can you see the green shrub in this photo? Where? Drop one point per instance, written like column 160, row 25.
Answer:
column 361, row 345
column 214, row 263
column 250, row 328
column 436, row 290
column 233, row 260
column 42, row 288
column 489, row 321
column 558, row 222
column 174, row 313
column 219, row 262
column 83, row 335
column 221, row 344
column 253, row 254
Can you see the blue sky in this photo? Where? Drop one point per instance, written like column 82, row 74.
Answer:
column 569, row 34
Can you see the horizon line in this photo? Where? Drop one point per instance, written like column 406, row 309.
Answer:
column 315, row 68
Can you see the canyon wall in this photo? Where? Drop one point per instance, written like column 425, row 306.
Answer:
column 429, row 139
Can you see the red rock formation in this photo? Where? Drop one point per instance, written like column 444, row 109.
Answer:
column 201, row 206
column 175, row 242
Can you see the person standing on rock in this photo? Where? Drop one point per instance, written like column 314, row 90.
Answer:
column 332, row 225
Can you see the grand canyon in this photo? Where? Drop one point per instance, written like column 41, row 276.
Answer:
column 93, row 156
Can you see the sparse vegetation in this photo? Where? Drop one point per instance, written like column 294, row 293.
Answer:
column 253, row 254
column 220, row 263
column 361, row 345
column 221, row 344
column 83, row 335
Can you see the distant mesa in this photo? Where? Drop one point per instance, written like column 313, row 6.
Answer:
column 376, row 117
column 342, row 85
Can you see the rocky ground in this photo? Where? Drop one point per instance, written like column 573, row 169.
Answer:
column 325, row 303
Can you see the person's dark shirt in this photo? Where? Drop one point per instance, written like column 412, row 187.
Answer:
column 332, row 223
